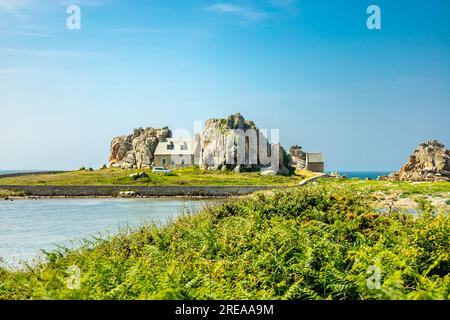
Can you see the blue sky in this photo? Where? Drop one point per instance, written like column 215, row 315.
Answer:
column 311, row 68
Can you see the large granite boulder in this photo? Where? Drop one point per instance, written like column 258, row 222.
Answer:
column 224, row 144
column 429, row 162
column 137, row 149
column 237, row 144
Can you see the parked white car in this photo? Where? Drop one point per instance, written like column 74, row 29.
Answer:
column 161, row 170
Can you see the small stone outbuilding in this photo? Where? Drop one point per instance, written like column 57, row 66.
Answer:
column 312, row 161
column 315, row 162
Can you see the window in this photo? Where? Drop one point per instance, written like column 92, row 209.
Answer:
column 182, row 147
column 183, row 161
column 163, row 161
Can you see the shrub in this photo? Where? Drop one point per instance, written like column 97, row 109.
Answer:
column 425, row 205
column 134, row 176
column 143, row 175
column 303, row 243
column 169, row 174
column 8, row 193
column 140, row 175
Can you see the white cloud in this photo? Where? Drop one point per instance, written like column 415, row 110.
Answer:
column 12, row 71
column 84, row 3
column 48, row 53
column 144, row 30
column 283, row 3
column 244, row 12
column 15, row 7
column 27, row 34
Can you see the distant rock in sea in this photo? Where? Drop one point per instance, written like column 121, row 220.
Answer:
column 429, row 162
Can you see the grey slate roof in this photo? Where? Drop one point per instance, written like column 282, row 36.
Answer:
column 188, row 147
column 316, row 157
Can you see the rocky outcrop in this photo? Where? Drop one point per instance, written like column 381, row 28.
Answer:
column 137, row 149
column 237, row 144
column 224, row 144
column 298, row 157
column 430, row 162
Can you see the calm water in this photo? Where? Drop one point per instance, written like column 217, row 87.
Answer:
column 364, row 174
column 16, row 171
column 8, row 171
column 27, row 226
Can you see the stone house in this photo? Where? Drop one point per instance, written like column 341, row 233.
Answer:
column 306, row 160
column 315, row 162
column 174, row 153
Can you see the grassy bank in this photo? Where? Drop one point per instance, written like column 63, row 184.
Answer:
column 387, row 194
column 405, row 189
column 317, row 242
column 7, row 193
column 191, row 176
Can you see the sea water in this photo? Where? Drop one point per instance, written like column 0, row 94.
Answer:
column 373, row 175
column 16, row 171
column 29, row 226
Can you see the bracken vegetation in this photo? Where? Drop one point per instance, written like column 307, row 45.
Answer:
column 305, row 243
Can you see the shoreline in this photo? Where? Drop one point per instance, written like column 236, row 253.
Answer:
column 193, row 198
column 29, row 173
column 128, row 191
column 62, row 192
column 399, row 204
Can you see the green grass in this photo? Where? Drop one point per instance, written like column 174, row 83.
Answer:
column 406, row 189
column 7, row 193
column 317, row 242
column 186, row 176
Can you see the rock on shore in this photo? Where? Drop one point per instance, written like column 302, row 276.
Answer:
column 137, row 149
column 429, row 162
column 219, row 137
column 222, row 135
